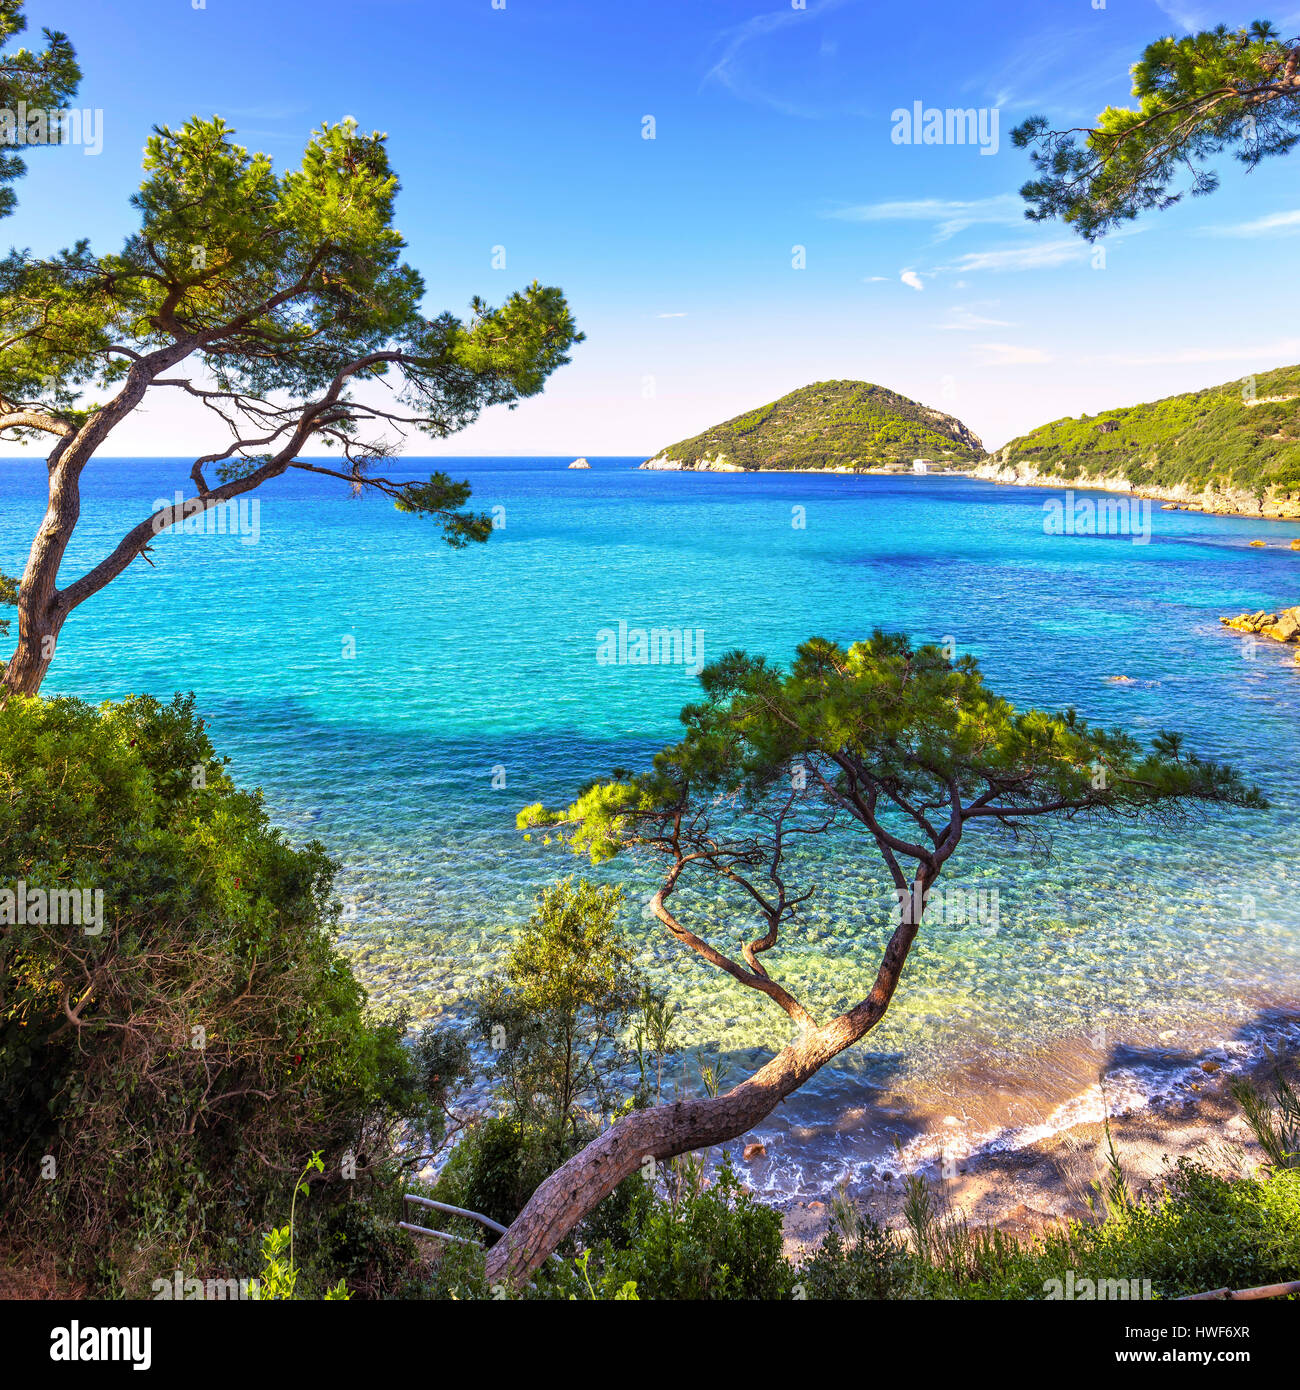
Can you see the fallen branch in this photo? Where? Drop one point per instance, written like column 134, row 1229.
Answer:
column 1264, row 1291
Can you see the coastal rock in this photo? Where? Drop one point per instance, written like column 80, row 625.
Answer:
column 721, row 464
column 1250, row 622
column 1273, row 506
column 580, row 463
column 1279, row 627
column 753, row 1151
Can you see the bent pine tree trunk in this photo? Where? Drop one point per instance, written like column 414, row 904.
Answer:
column 665, row 1131
column 41, row 610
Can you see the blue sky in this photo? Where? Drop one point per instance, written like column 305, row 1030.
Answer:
column 522, row 127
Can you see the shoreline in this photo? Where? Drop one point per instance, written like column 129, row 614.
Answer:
column 1208, row 502
column 1235, row 504
column 1025, row 1190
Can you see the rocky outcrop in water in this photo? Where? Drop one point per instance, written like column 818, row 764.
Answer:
column 1278, row 627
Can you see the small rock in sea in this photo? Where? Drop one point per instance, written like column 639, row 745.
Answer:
column 1120, row 680
column 886, row 1176
column 1295, row 544
column 816, row 1206
column 754, row 1151
column 1210, row 1067
column 1257, row 542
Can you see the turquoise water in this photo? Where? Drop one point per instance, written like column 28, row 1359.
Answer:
column 1133, row 951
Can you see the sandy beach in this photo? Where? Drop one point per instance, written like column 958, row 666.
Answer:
column 1025, row 1191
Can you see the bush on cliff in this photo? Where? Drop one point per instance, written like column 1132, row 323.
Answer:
column 169, row 1058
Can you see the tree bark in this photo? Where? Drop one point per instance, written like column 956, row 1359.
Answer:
column 41, row 613
column 665, row 1131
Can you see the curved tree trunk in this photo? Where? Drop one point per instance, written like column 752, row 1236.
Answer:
column 41, row 611
column 668, row 1130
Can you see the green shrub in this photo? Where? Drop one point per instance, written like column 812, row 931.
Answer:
column 717, row 1243
column 496, row 1166
column 871, row 1263
column 160, row 1077
column 1200, row 1232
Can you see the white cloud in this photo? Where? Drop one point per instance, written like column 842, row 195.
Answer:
column 1010, row 355
column 910, row 277
column 1044, row 256
column 1275, row 222
column 670, row 316
column 950, row 216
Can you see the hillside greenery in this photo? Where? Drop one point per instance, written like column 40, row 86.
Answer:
column 1243, row 434
column 834, row 424
column 165, row 1073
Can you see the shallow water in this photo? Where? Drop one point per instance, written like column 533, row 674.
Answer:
column 1132, row 952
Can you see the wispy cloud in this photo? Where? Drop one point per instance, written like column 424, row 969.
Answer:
column 670, row 316
column 1044, row 256
column 1285, row 349
column 948, row 215
column 1188, row 16
column 733, row 71
column 1275, row 224
column 1062, row 70
column 1009, row 355
column 965, row 320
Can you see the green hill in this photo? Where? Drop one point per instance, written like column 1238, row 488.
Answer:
column 1220, row 438
column 830, row 424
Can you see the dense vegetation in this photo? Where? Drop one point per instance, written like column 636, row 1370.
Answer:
column 177, row 1086
column 163, row 1079
column 1221, row 437
column 700, row 1234
column 833, row 424
column 1243, row 434
column 689, row 1229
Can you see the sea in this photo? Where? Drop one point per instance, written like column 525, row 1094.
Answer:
column 400, row 701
